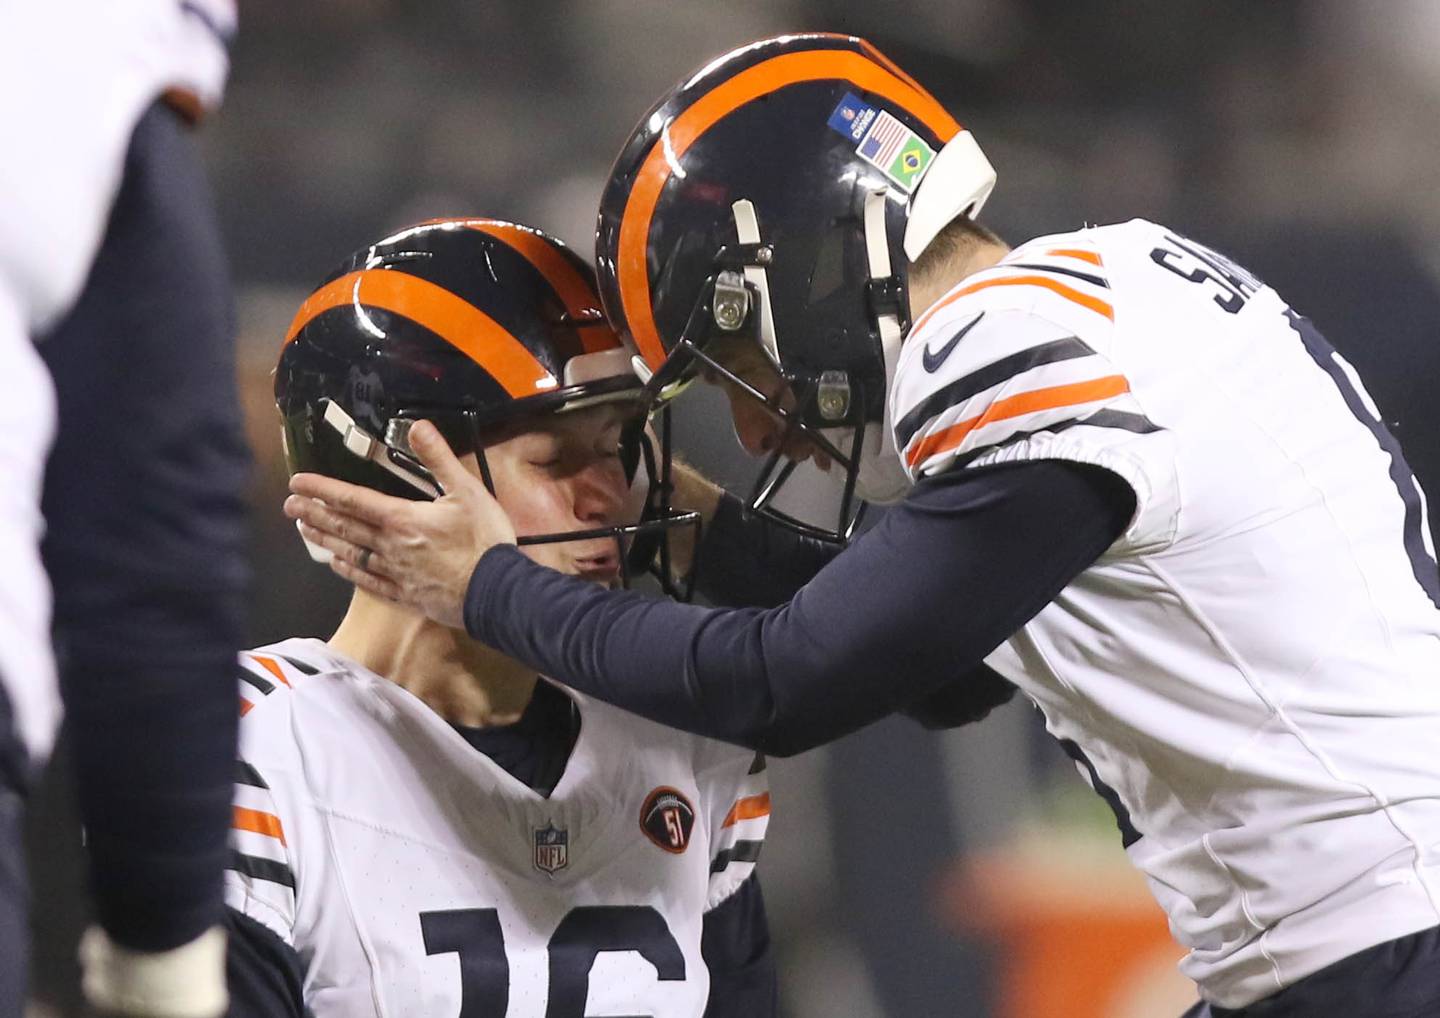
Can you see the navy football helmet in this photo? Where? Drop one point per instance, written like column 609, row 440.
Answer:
column 780, row 195
column 474, row 325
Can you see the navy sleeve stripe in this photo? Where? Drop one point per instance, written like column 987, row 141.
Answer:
column 1053, row 352
column 1137, row 424
column 262, row 869
column 1076, row 273
column 1117, row 419
column 247, row 775
column 741, row 851
column 1122, row 421
column 265, row 686
column 298, row 665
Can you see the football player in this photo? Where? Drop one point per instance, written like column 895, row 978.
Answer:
column 424, row 826
column 110, row 253
column 1127, row 476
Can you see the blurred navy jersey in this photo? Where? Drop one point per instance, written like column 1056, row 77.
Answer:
column 77, row 78
column 144, row 501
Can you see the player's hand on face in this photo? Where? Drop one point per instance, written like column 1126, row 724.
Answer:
column 419, row 554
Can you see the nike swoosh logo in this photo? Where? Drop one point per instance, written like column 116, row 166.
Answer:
column 933, row 360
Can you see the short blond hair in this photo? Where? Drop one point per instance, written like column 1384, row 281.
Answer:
column 954, row 243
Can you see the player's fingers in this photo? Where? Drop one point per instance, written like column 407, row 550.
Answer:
column 380, row 586
column 433, row 451
column 362, row 556
column 351, row 499
column 319, row 516
column 361, row 566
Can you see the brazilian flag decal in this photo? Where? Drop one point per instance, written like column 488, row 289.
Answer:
column 910, row 163
column 895, row 150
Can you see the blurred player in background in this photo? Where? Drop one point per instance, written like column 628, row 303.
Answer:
column 1128, row 477
column 423, row 825
column 109, row 251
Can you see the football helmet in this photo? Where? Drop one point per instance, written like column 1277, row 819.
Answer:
column 472, row 324
column 779, row 195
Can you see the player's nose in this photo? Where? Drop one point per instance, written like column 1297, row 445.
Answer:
column 600, row 491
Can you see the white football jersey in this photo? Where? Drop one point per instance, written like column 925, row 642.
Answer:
column 416, row 877
column 98, row 64
column 1251, row 673
column 27, row 427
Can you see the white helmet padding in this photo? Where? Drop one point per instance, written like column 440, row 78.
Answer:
column 956, row 182
column 881, row 476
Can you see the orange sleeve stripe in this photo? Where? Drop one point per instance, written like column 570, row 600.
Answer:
column 764, row 78
column 1075, row 252
column 272, row 667
column 1095, row 304
column 748, row 809
column 574, row 291
column 454, row 320
column 253, row 820
column 1054, row 397
column 245, row 706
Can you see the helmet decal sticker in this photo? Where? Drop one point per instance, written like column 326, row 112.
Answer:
column 852, row 117
column 896, row 151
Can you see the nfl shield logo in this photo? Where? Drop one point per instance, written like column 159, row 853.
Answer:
column 552, row 848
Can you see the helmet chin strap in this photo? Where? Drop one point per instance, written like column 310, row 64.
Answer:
column 361, row 443
column 881, row 476
column 747, row 231
column 391, row 454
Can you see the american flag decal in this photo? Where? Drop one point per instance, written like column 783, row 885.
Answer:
column 883, row 141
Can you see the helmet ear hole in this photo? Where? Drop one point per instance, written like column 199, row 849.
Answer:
column 827, row 275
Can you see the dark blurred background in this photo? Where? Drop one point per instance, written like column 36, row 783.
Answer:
column 966, row 874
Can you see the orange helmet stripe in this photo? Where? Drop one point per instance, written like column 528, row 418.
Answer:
column 459, row 323
column 575, row 291
column 894, row 68
column 764, row 78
